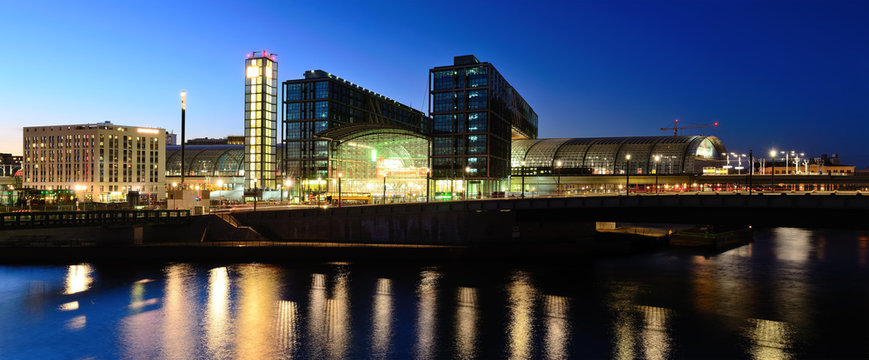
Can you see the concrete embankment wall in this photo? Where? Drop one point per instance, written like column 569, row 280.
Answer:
column 437, row 224
column 194, row 229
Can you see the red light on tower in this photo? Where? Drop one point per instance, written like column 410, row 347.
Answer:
column 715, row 124
column 265, row 53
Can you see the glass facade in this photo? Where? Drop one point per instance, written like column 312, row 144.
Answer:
column 608, row 156
column 476, row 114
column 320, row 102
column 260, row 121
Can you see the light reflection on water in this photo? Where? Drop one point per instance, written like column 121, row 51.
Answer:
column 78, row 278
column 381, row 327
column 466, row 323
column 521, row 299
column 767, row 300
column 427, row 324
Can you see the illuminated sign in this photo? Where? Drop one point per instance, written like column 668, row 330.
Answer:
column 147, row 131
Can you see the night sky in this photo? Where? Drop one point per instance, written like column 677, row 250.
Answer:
column 793, row 75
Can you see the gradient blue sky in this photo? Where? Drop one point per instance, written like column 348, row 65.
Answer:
column 784, row 74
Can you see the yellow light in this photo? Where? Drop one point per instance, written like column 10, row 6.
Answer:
column 174, row 184
column 628, row 156
column 252, row 71
column 268, row 72
column 147, row 131
column 219, row 183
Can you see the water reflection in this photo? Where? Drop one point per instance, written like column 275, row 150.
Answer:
column 179, row 312
column 556, row 327
column 77, row 323
column 769, row 339
column 78, row 278
column 466, row 323
column 72, row 305
column 329, row 318
column 217, row 324
column 426, row 325
column 258, row 293
column 520, row 303
column 141, row 326
column 793, row 298
column 656, row 339
column 624, row 328
column 286, row 327
column 381, row 333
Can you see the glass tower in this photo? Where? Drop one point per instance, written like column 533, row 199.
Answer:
column 260, row 120
column 476, row 115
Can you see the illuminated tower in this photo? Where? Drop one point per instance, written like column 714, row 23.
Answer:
column 260, row 120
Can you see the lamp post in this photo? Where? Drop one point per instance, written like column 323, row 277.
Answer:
column 288, row 185
column 339, row 189
column 465, row 180
column 772, row 168
column 657, row 161
column 319, row 188
column 627, row 174
column 523, row 178
column 558, row 177
column 750, row 169
column 183, row 111
column 384, row 188
column 427, row 181
column 254, row 194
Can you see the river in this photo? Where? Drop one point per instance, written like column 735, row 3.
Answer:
column 790, row 294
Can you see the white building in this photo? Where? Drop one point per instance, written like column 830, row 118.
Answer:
column 100, row 162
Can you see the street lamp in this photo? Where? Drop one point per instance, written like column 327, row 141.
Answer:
column 558, row 177
column 254, row 194
column 772, row 171
column 319, row 180
column 465, row 179
column 288, row 185
column 183, row 111
column 339, row 189
column 427, row 181
column 523, row 178
column 628, row 174
column 657, row 161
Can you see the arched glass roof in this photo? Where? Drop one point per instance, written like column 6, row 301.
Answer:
column 676, row 154
column 208, row 160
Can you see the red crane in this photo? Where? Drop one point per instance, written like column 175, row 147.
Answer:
column 676, row 127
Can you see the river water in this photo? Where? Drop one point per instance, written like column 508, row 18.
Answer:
column 792, row 293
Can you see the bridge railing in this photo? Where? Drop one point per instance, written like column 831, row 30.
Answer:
column 19, row 220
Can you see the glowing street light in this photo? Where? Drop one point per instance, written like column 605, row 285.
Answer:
column 558, row 176
column 657, row 161
column 465, row 179
column 772, row 168
column 628, row 174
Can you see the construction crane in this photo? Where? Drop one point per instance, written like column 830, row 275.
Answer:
column 676, row 127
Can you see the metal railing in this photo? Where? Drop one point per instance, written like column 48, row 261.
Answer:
column 19, row 220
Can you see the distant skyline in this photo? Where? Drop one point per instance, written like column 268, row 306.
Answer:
column 793, row 75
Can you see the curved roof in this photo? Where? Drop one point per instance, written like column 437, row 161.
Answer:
column 208, row 160
column 608, row 155
column 352, row 131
